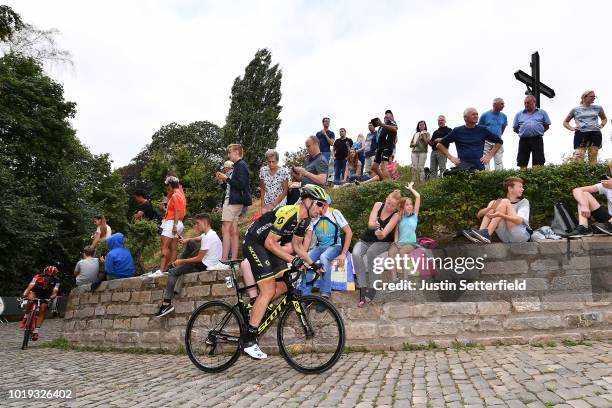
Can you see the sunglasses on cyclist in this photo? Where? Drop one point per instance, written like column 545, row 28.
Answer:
column 319, row 203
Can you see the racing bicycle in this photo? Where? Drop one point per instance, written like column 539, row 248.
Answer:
column 310, row 333
column 30, row 323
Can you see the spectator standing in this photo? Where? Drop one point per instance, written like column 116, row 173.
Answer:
column 386, row 138
column 103, row 230
column 530, row 124
column 341, row 150
column 118, row 263
column 87, row 269
column 360, row 148
column 326, row 139
column 172, row 224
column 144, row 208
column 496, row 121
column 419, row 143
column 405, row 232
column 587, row 132
column 437, row 160
column 315, row 167
column 375, row 240
column 469, row 140
column 210, row 250
column 293, row 195
column 237, row 197
column 274, row 183
column 370, row 148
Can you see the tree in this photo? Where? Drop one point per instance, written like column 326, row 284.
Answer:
column 296, row 159
column 50, row 183
column 10, row 23
column 253, row 118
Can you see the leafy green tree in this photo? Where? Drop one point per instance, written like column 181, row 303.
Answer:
column 253, row 118
column 10, row 23
column 295, row 159
column 51, row 184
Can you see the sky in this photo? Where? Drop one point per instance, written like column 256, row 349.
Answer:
column 139, row 65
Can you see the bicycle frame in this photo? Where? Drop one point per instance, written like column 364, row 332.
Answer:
column 36, row 303
column 279, row 308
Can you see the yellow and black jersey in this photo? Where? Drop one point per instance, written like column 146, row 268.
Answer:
column 283, row 222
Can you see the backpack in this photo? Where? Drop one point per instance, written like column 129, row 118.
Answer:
column 563, row 220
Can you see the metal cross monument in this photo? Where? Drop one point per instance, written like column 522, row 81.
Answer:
column 534, row 86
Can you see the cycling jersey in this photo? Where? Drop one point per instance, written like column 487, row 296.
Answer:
column 44, row 285
column 283, row 222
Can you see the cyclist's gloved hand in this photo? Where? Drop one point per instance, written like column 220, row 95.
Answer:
column 297, row 263
column 317, row 266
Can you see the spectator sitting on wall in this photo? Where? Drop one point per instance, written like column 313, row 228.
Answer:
column 144, row 209
column 508, row 217
column 87, row 269
column 118, row 263
column 330, row 247
column 207, row 257
column 589, row 208
column 375, row 240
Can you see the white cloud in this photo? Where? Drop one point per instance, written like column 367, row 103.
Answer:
column 142, row 64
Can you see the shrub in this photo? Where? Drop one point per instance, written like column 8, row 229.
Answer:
column 450, row 204
column 143, row 242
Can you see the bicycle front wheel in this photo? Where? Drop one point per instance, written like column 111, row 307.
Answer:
column 213, row 335
column 26, row 338
column 311, row 335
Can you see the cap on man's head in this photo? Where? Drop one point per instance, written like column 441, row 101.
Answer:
column 228, row 163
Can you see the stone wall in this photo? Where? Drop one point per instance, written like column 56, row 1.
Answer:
column 568, row 297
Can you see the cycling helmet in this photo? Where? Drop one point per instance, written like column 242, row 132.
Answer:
column 50, row 270
column 315, row 192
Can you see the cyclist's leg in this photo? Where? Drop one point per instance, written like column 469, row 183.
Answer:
column 248, row 278
column 41, row 315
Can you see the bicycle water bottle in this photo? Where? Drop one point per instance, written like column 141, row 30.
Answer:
column 228, row 282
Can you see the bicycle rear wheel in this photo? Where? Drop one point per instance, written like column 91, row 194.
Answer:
column 311, row 337
column 212, row 338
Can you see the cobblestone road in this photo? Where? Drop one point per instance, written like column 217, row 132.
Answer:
column 512, row 376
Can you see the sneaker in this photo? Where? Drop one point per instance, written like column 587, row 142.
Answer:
column 482, row 235
column 470, row 236
column 605, row 227
column 34, row 336
column 580, row 231
column 255, row 352
column 164, row 310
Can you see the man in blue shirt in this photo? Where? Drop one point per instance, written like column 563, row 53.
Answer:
column 470, row 140
column 530, row 124
column 496, row 121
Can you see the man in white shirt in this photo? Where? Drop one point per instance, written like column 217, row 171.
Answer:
column 207, row 257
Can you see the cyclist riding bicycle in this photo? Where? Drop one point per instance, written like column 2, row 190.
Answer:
column 42, row 286
column 262, row 247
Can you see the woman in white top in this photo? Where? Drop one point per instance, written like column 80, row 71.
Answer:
column 103, row 230
column 274, row 183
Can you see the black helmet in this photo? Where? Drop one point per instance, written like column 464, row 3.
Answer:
column 315, row 192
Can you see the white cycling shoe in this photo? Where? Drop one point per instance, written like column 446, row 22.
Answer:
column 255, row 352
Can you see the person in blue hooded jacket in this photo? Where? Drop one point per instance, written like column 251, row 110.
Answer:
column 118, row 262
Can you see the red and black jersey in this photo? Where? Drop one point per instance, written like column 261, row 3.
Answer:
column 44, row 284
